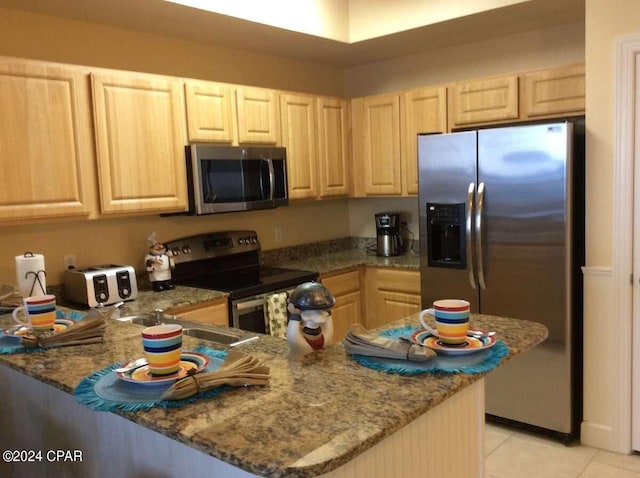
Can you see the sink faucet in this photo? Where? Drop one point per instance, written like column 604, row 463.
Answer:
column 159, row 315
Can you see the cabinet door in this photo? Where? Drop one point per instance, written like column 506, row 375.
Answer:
column 425, row 111
column 487, row 100
column 334, row 158
column 215, row 313
column 345, row 288
column 376, row 124
column 257, row 110
column 46, row 145
column 140, row 143
column 209, row 112
column 391, row 294
column 556, row 91
column 346, row 312
column 298, row 116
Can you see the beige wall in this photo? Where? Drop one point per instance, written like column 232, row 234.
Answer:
column 374, row 18
column 45, row 37
column 607, row 359
column 526, row 51
column 605, row 21
column 123, row 241
column 324, row 18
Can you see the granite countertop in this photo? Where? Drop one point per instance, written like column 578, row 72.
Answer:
column 294, row 418
column 339, row 255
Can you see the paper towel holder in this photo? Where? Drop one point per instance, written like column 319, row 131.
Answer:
column 36, row 276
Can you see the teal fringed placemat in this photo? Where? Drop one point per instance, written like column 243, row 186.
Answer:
column 477, row 362
column 12, row 345
column 104, row 391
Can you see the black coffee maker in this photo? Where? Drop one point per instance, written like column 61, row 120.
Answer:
column 389, row 242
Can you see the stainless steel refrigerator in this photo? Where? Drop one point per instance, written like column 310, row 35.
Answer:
column 501, row 225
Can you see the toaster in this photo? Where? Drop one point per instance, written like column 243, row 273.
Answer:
column 101, row 285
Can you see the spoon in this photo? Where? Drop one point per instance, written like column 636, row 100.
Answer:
column 141, row 362
column 479, row 334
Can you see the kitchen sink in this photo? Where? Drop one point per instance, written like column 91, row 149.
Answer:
column 148, row 319
column 191, row 329
column 212, row 335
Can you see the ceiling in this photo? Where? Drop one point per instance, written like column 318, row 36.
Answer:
column 169, row 19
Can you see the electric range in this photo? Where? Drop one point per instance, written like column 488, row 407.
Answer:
column 229, row 261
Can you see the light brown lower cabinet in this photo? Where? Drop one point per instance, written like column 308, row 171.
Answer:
column 214, row 312
column 391, row 295
column 345, row 287
column 372, row 296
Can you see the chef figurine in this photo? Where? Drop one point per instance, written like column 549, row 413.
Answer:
column 310, row 324
column 159, row 263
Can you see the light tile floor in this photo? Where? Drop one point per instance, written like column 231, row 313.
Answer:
column 516, row 454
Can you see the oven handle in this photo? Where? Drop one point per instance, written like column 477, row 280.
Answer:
column 243, row 305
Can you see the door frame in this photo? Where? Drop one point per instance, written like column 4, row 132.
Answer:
column 626, row 227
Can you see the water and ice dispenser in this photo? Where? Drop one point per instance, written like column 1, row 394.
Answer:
column 446, row 235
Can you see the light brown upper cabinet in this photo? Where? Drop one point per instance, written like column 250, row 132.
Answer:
column 484, row 100
column 140, row 141
column 424, row 111
column 46, row 141
column 298, row 116
column 257, row 116
column 385, row 155
column 334, row 164
column 210, row 115
column 554, row 92
column 376, row 145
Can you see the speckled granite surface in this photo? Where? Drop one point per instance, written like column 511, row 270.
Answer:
column 338, row 255
column 293, row 419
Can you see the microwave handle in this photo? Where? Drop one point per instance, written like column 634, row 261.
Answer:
column 272, row 179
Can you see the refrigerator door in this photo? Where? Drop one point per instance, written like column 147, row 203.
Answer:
column 447, row 171
column 526, row 265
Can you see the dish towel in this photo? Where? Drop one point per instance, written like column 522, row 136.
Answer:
column 277, row 314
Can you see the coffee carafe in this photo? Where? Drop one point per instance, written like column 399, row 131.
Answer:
column 389, row 242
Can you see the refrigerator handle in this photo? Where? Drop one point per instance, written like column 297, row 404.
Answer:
column 468, row 221
column 479, row 246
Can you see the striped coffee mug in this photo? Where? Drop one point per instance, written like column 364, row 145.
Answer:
column 163, row 348
column 452, row 320
column 39, row 312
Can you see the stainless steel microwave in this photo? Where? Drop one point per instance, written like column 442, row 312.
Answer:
column 235, row 178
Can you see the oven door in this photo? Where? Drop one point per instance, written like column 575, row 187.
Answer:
column 250, row 313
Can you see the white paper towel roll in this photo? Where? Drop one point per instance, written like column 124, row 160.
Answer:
column 31, row 275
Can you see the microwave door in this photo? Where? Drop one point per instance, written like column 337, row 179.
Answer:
column 208, row 196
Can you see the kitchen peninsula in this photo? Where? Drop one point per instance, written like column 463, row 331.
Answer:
column 322, row 415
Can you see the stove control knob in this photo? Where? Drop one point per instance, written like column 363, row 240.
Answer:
column 254, row 240
column 241, row 241
column 176, row 251
column 186, row 250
